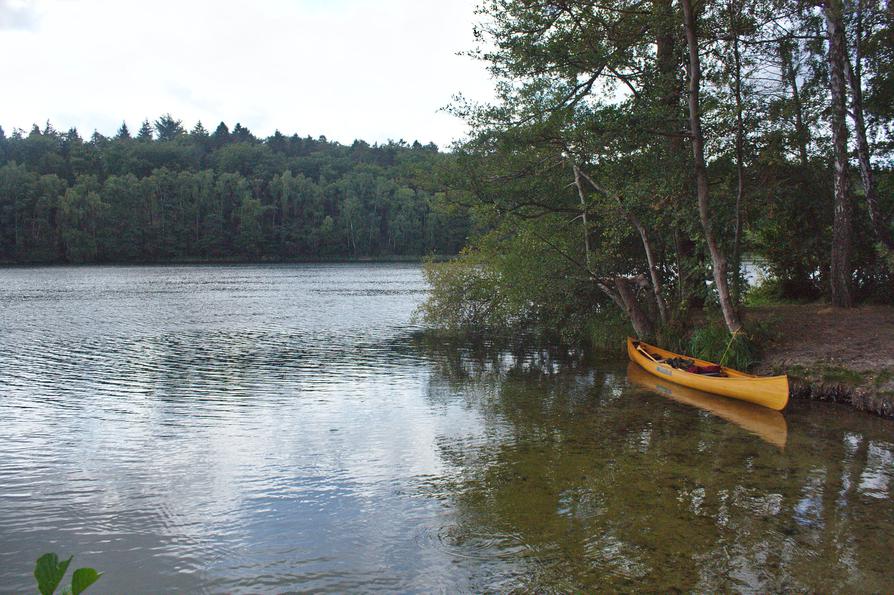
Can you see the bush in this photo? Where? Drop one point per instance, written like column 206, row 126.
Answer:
column 774, row 291
column 714, row 343
column 765, row 293
column 464, row 295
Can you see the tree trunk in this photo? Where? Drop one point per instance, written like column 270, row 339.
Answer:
column 643, row 234
column 618, row 289
column 16, row 241
column 653, row 267
column 678, row 249
column 669, row 82
column 790, row 77
column 855, row 81
column 583, row 213
column 840, row 265
column 667, row 70
column 734, row 11
column 730, row 316
column 642, row 324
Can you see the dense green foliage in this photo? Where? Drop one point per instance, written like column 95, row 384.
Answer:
column 603, row 189
column 168, row 194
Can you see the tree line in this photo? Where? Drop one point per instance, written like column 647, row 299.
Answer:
column 167, row 194
column 638, row 150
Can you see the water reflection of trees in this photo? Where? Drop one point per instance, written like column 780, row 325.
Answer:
column 602, row 486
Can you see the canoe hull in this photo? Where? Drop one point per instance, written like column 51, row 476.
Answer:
column 767, row 391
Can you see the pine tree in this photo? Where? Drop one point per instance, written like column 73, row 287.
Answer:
column 199, row 130
column 145, row 134
column 243, row 134
column 221, row 136
column 278, row 142
column 98, row 139
column 168, row 128
column 123, row 132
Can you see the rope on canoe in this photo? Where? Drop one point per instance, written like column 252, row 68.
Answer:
column 732, row 337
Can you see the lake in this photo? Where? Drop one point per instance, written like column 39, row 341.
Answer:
column 277, row 428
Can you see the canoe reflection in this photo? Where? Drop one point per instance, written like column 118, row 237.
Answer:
column 766, row 423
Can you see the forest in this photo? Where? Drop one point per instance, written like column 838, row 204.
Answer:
column 640, row 151
column 168, row 194
column 637, row 154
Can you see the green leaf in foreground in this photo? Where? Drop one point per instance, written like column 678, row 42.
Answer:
column 83, row 578
column 49, row 572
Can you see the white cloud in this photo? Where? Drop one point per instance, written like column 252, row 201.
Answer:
column 344, row 68
column 17, row 15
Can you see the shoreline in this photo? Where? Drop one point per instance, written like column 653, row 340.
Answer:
column 832, row 355
column 863, row 399
column 232, row 261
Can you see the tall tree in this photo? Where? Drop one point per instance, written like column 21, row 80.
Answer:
column 840, row 270
column 718, row 260
column 734, row 15
column 168, row 128
column 199, row 130
column 854, row 71
column 789, row 68
column 145, row 133
column 220, row 136
column 242, row 134
column 123, row 132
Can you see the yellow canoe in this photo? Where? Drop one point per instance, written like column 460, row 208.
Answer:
column 768, row 391
column 768, row 424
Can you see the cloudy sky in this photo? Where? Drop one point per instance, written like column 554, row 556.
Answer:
column 370, row 69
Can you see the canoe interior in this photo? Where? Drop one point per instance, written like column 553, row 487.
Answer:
column 664, row 353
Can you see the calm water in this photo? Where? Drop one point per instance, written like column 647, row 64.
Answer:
column 275, row 428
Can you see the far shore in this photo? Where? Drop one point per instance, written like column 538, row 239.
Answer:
column 231, row 261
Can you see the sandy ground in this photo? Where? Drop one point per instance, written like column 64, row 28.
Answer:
column 860, row 339
column 845, row 356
